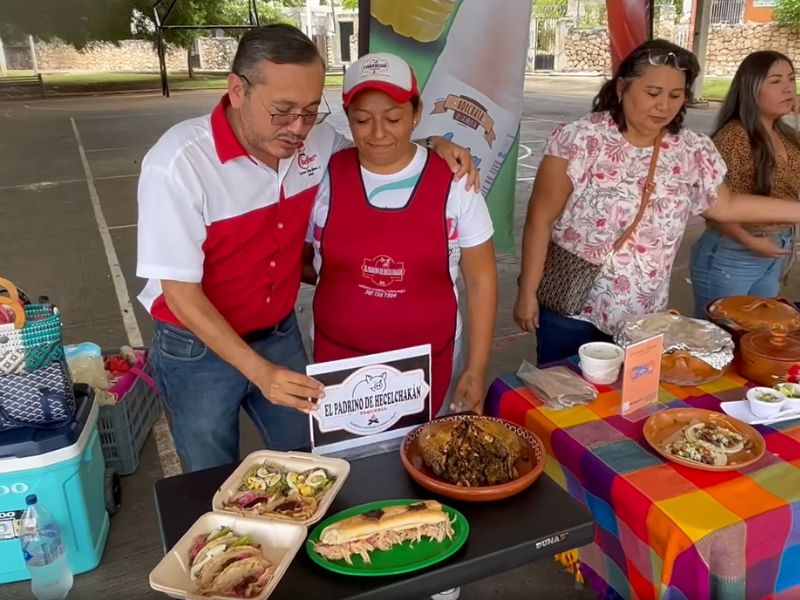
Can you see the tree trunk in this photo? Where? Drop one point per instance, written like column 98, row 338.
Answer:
column 189, row 62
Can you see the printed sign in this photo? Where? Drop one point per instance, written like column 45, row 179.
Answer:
column 642, row 371
column 371, row 398
column 9, row 524
column 469, row 113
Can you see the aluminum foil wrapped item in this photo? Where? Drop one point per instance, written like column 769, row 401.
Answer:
column 701, row 339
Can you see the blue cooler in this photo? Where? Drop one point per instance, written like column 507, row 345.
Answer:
column 64, row 467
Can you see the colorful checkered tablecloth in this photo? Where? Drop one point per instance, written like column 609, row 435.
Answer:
column 665, row 531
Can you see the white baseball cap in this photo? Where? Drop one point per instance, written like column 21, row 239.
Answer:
column 383, row 72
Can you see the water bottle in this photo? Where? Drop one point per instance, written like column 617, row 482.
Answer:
column 474, row 93
column 44, row 552
column 422, row 20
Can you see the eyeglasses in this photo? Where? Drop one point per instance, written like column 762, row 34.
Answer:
column 680, row 60
column 284, row 119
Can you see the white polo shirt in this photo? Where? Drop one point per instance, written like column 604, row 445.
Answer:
column 210, row 213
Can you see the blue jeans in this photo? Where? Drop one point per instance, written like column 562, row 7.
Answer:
column 204, row 395
column 559, row 337
column 721, row 267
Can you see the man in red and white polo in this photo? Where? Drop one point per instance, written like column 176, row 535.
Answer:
column 224, row 204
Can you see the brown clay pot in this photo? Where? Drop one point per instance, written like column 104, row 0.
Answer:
column 741, row 314
column 766, row 356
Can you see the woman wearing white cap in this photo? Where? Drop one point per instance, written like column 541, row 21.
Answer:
column 389, row 234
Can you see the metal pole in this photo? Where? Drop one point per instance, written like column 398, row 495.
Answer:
column 702, row 24
column 162, row 63
column 364, row 19
column 336, row 42
column 3, row 69
column 33, row 55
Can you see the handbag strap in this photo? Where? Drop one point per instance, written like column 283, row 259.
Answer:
column 144, row 377
column 16, row 309
column 11, row 290
column 649, row 186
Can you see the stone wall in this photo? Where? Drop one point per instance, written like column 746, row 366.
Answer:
column 131, row 55
column 729, row 44
column 213, row 54
column 216, row 54
column 585, row 50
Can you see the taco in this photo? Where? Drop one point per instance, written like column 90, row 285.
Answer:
column 696, row 452
column 271, row 490
column 719, row 438
column 224, row 563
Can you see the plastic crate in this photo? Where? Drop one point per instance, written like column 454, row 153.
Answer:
column 124, row 427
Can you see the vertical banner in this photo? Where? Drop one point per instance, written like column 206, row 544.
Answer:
column 469, row 57
column 629, row 25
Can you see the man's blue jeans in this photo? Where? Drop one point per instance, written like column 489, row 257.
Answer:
column 204, row 395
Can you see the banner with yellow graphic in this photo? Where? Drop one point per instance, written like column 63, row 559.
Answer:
column 469, row 57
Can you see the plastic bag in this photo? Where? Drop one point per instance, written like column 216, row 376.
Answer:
column 558, row 387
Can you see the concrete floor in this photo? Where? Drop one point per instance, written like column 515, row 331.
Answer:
column 57, row 209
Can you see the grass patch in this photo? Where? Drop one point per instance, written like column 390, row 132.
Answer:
column 717, row 89
column 92, row 83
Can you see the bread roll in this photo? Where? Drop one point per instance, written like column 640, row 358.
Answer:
column 390, row 518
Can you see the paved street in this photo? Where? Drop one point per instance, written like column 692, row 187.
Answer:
column 68, row 177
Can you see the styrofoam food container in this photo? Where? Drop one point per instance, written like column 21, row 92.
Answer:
column 279, row 541
column 601, row 361
column 765, row 409
column 793, row 402
column 292, row 461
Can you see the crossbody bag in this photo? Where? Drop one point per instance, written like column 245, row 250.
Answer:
column 568, row 279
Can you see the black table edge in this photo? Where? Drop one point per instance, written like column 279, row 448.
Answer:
column 448, row 575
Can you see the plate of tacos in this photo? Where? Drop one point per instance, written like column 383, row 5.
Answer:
column 295, row 487
column 225, row 556
column 704, row 439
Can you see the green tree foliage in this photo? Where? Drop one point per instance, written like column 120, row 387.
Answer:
column 200, row 12
column 549, row 9
column 350, row 4
column 79, row 22
column 787, row 12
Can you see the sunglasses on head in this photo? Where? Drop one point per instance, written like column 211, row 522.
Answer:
column 680, row 60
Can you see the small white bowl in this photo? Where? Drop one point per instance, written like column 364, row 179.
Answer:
column 601, row 362
column 763, row 409
column 795, row 388
column 606, row 378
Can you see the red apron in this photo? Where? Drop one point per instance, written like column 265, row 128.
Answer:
column 385, row 281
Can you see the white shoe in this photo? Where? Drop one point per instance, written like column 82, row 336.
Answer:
column 448, row 595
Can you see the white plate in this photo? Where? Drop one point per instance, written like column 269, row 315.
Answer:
column 279, row 540
column 741, row 410
column 291, row 461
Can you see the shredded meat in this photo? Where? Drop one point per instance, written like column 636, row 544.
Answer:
column 383, row 541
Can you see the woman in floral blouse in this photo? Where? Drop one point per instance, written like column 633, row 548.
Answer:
column 588, row 190
column 762, row 154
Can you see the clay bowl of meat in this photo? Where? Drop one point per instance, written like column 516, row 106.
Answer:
column 473, row 458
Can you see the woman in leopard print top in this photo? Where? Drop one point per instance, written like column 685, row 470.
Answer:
column 762, row 154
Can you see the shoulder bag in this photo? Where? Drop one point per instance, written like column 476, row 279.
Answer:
column 568, row 279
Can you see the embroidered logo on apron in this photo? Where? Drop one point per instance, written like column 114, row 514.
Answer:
column 382, row 270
